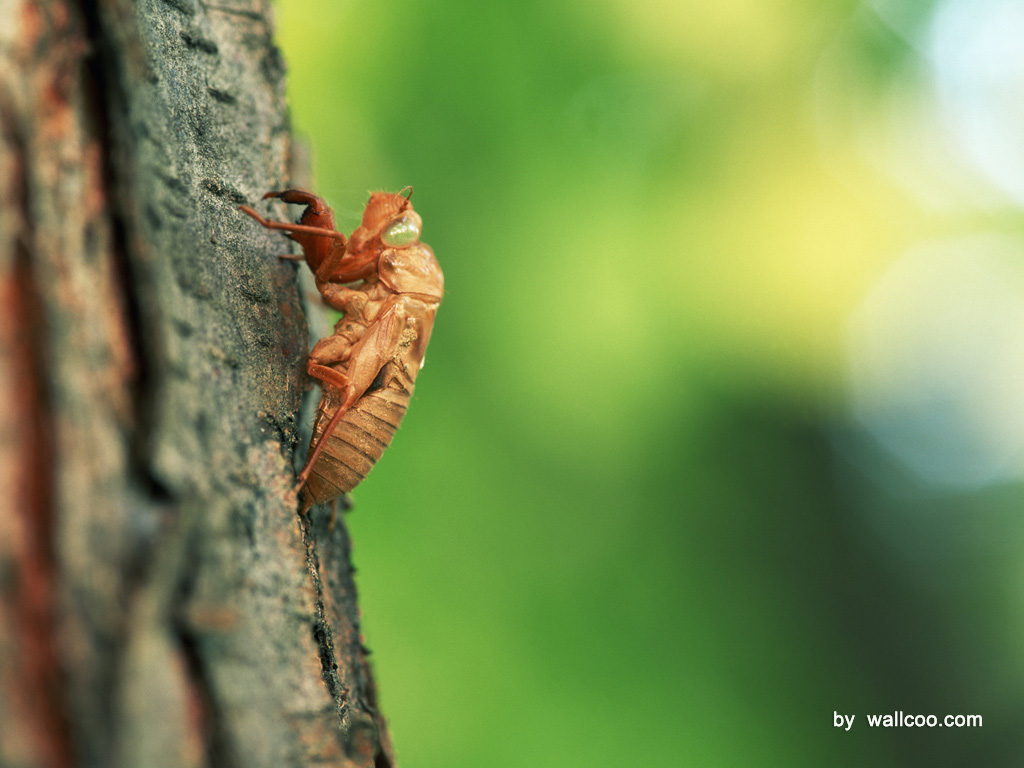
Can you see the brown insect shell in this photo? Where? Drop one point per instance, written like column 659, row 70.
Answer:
column 383, row 209
column 411, row 270
column 405, row 282
column 414, row 277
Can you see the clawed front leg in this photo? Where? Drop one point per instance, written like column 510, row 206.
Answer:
column 286, row 227
column 315, row 232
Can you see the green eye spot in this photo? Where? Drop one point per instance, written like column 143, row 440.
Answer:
column 405, row 231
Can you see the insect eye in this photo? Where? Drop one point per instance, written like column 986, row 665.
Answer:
column 404, row 231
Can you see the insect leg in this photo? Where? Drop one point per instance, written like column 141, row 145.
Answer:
column 343, row 382
column 378, row 345
column 327, row 352
column 331, row 376
column 316, row 214
column 302, row 197
column 285, row 226
column 344, row 299
column 341, row 266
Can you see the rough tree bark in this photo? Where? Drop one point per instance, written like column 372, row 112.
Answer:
column 161, row 603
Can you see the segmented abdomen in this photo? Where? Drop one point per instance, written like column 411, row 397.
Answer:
column 357, row 443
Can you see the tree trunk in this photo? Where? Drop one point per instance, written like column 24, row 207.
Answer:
column 161, row 602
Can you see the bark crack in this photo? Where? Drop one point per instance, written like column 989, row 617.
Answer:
column 105, row 99
column 32, row 448
column 322, row 634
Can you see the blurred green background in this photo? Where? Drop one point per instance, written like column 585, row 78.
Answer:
column 720, row 429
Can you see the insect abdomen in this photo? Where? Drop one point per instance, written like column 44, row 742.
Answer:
column 356, row 444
